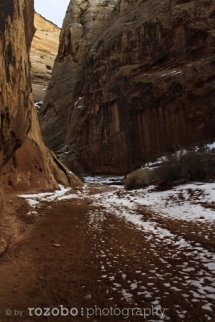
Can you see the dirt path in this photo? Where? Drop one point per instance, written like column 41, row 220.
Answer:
column 83, row 258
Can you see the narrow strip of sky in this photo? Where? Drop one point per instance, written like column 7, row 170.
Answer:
column 53, row 10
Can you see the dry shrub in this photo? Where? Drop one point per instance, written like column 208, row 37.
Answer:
column 138, row 179
column 196, row 164
column 191, row 165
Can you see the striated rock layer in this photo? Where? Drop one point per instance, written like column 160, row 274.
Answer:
column 85, row 21
column 128, row 88
column 15, row 92
column 33, row 166
column 44, row 49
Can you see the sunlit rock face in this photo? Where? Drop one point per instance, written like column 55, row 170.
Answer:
column 133, row 79
column 15, row 89
column 28, row 164
column 44, row 49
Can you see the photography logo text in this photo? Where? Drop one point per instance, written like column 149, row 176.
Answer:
column 97, row 311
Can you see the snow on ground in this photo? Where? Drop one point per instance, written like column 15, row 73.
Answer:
column 126, row 205
column 186, row 268
column 211, row 146
column 194, row 277
column 185, row 202
column 103, row 179
column 189, row 202
column 193, row 274
column 36, row 198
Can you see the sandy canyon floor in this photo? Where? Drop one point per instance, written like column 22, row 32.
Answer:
column 100, row 253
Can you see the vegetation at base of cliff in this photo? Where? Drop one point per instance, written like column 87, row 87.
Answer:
column 139, row 179
column 194, row 165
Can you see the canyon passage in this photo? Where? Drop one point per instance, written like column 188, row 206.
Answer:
column 98, row 250
column 132, row 81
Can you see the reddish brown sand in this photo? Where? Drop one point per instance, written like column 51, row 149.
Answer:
column 55, row 257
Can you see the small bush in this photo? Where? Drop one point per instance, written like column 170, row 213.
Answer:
column 198, row 164
column 138, row 179
column 191, row 165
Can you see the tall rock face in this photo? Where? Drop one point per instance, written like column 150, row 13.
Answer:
column 15, row 92
column 85, row 21
column 33, row 166
column 145, row 83
column 44, row 49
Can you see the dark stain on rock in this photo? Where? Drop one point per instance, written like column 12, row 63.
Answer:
column 9, row 60
column 28, row 18
column 6, row 9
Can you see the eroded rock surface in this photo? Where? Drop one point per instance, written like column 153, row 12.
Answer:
column 131, row 87
column 15, row 89
column 33, row 166
column 44, row 49
column 85, row 21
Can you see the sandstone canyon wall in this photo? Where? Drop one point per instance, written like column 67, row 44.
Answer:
column 132, row 80
column 85, row 21
column 33, row 166
column 15, row 92
column 44, row 49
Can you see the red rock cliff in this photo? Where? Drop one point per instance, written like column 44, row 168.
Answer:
column 147, row 84
column 33, row 166
column 44, row 49
column 15, row 92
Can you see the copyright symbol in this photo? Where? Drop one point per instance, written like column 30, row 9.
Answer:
column 8, row 312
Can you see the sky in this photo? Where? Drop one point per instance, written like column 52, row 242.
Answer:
column 53, row 10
